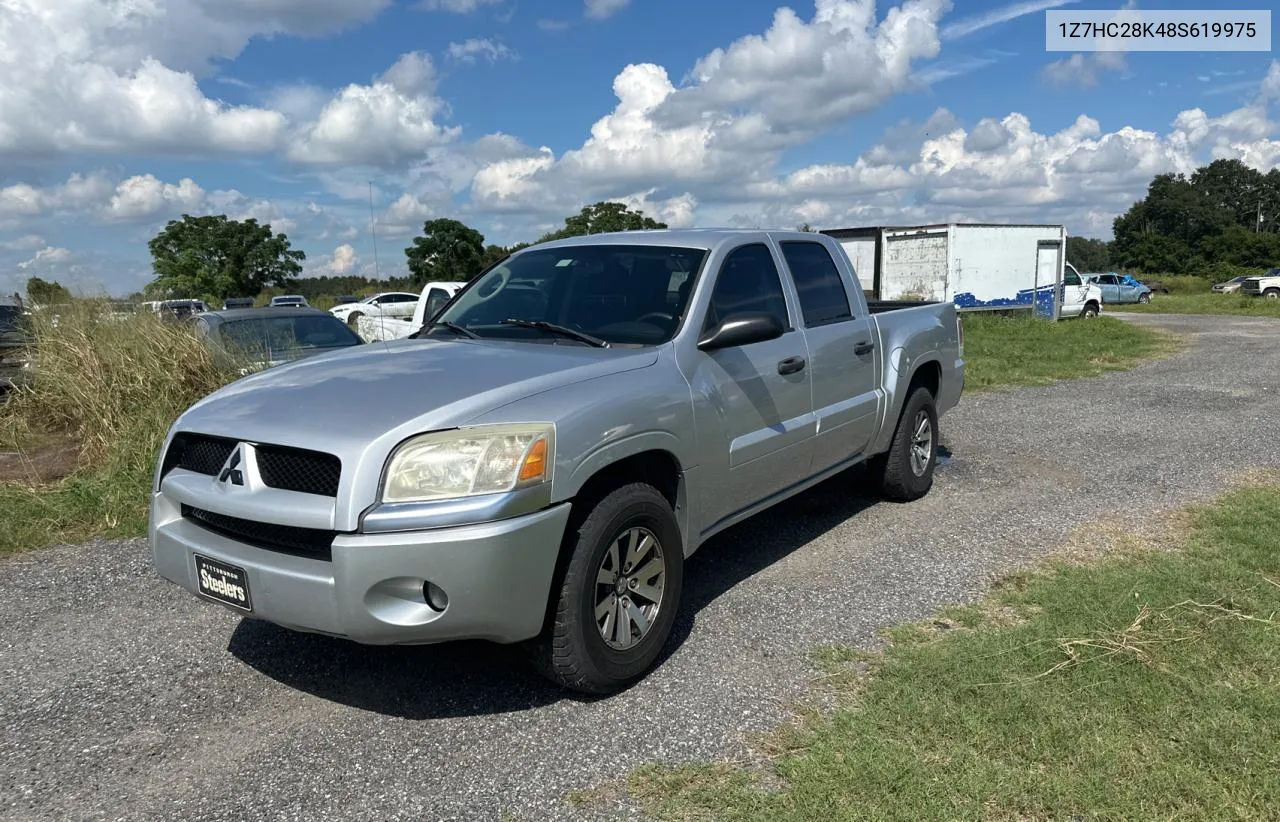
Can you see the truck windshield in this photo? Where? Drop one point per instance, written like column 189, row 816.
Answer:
column 622, row 294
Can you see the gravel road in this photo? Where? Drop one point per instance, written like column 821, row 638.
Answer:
column 122, row 697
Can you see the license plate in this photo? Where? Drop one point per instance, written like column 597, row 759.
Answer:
column 225, row 583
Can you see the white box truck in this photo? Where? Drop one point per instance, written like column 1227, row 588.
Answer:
column 977, row 266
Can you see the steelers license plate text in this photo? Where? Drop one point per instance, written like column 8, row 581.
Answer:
column 225, row 583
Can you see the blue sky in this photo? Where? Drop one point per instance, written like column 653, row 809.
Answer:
column 120, row 115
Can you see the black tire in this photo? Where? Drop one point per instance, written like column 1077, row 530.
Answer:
column 353, row 319
column 1272, row 293
column 572, row 651
column 897, row 479
column 1089, row 311
column 1144, row 298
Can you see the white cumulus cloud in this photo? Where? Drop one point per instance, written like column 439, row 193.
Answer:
column 377, row 124
column 477, row 48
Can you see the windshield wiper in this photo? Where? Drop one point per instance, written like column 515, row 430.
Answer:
column 562, row 330
column 452, row 326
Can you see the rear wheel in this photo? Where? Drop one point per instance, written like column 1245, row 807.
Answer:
column 618, row 598
column 905, row 471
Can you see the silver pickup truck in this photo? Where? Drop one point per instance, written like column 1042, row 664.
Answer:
column 536, row 463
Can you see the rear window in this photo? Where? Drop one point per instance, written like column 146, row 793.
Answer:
column 283, row 333
column 823, row 298
column 10, row 318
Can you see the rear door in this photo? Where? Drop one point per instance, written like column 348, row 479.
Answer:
column 1110, row 285
column 760, row 394
column 842, row 355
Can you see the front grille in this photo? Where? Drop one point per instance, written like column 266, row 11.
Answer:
column 199, row 453
column 312, row 543
column 289, row 469
column 294, row 469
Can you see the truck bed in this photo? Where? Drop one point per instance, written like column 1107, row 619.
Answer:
column 881, row 306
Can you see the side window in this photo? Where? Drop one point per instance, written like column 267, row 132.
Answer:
column 436, row 299
column 823, row 298
column 1071, row 278
column 748, row 282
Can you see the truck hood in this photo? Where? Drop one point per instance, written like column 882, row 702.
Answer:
column 342, row 401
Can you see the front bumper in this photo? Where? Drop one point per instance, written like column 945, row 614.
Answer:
column 496, row 575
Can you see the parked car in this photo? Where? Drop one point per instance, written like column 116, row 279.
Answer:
column 537, row 463
column 260, row 338
column 231, row 303
column 1079, row 298
column 15, row 364
column 374, row 327
column 398, row 304
column 1230, row 286
column 343, row 299
column 285, row 300
column 179, row 310
column 1120, row 288
column 1268, row 285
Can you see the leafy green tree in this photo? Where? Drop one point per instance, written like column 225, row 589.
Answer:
column 220, row 258
column 1089, row 255
column 447, row 251
column 44, row 292
column 601, row 217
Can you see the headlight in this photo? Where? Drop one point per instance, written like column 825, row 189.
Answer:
column 466, row 462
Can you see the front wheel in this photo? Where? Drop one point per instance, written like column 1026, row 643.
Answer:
column 1090, row 311
column 1272, row 293
column 618, row 599
column 353, row 319
column 1144, row 299
column 905, row 471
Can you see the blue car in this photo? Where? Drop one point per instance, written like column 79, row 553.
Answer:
column 1120, row 288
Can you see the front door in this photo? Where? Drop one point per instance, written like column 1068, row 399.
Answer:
column 757, row 435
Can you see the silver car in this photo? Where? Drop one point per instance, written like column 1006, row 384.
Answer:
column 536, row 463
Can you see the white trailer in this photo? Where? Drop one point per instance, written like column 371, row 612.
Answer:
column 977, row 266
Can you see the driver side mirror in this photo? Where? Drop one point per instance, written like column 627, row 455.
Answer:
column 741, row 329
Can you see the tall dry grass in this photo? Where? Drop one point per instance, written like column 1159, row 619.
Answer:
column 110, row 387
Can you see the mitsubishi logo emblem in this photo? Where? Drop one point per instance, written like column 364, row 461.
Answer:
column 231, row 471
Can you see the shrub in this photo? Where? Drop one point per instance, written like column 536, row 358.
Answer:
column 110, row 387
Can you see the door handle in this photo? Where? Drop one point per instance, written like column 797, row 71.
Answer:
column 790, row 365
column 863, row 348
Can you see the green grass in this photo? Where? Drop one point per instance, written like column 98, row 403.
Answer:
column 109, row 391
column 1142, row 686
column 1021, row 350
column 1205, row 303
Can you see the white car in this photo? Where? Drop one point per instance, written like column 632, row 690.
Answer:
column 290, row 300
column 397, row 304
column 373, row 328
column 1268, row 285
column 1080, row 298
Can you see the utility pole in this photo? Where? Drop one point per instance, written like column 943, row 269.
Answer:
column 373, row 232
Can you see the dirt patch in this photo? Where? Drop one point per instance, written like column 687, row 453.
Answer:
column 41, row 465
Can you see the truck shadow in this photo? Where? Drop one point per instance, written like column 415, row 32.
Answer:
column 478, row 678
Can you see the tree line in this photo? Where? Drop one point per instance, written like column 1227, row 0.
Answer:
column 213, row 257
column 1222, row 220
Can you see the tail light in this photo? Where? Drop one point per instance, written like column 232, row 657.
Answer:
column 960, row 332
